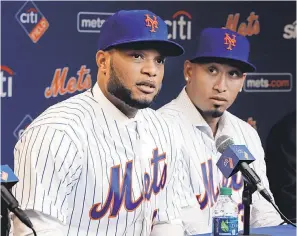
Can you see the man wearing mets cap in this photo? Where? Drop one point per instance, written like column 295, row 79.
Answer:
column 102, row 162
column 214, row 77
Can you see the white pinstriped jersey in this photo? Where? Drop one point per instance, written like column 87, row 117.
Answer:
column 202, row 178
column 85, row 163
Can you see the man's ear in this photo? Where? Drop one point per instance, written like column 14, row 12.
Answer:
column 102, row 59
column 242, row 83
column 188, row 71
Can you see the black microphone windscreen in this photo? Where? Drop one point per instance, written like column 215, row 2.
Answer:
column 223, row 142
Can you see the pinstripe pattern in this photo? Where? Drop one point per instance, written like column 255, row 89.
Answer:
column 200, row 145
column 67, row 155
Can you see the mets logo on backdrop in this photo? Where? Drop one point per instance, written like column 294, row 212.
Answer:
column 153, row 23
column 61, row 85
column 231, row 42
column 32, row 21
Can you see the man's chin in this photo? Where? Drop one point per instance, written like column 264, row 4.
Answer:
column 217, row 113
column 142, row 101
column 214, row 113
column 140, row 104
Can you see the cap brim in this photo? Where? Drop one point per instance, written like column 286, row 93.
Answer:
column 242, row 65
column 166, row 47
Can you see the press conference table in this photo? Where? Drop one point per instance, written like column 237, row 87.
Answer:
column 282, row 230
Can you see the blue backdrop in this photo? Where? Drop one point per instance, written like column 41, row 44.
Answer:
column 48, row 54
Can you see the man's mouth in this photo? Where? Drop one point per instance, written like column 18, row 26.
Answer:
column 146, row 87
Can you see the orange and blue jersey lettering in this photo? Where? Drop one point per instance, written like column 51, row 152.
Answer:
column 121, row 193
column 211, row 193
column 235, row 182
column 210, row 196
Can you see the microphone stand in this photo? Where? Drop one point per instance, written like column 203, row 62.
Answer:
column 5, row 222
column 248, row 190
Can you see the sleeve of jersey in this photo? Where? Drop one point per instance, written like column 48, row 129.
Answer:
column 44, row 225
column 169, row 208
column 262, row 213
column 48, row 166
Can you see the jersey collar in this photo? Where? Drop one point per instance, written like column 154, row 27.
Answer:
column 193, row 115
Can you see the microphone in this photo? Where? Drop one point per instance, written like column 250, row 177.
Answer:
column 8, row 179
column 236, row 158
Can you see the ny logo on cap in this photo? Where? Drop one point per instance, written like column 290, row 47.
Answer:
column 231, row 42
column 153, row 23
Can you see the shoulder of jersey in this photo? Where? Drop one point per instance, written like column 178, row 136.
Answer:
column 242, row 123
column 150, row 115
column 170, row 110
column 154, row 119
column 74, row 108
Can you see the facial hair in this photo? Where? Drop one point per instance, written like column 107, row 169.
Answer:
column 211, row 113
column 116, row 87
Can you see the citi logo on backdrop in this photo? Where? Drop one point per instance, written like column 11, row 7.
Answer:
column 6, row 79
column 32, row 21
column 180, row 26
column 25, row 122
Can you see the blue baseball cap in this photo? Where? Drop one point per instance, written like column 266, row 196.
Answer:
column 224, row 46
column 137, row 26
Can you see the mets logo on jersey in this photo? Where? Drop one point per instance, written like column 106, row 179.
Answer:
column 120, row 192
column 231, row 42
column 152, row 23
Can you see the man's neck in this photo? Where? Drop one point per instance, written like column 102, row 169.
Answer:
column 213, row 123
column 130, row 112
